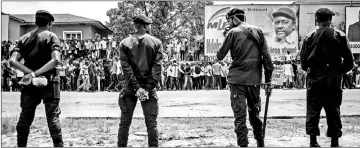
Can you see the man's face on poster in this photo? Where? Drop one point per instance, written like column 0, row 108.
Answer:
column 283, row 26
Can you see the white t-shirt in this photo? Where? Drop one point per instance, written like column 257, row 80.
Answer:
column 103, row 44
column 113, row 45
column 288, row 69
column 118, row 67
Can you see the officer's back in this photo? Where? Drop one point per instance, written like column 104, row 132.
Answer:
column 37, row 47
column 142, row 52
column 324, row 52
column 246, row 56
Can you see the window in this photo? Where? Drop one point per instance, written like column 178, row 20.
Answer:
column 72, row 34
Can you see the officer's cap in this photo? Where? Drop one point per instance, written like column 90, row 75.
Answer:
column 141, row 18
column 324, row 12
column 286, row 12
column 44, row 14
column 234, row 12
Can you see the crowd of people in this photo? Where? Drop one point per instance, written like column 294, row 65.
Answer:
column 94, row 65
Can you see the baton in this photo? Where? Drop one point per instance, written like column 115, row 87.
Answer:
column 266, row 109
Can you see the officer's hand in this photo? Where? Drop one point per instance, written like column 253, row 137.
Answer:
column 268, row 89
column 142, row 92
column 26, row 80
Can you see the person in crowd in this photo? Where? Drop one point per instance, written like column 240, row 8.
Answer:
column 217, row 68
column 288, row 72
column 114, row 77
column 62, row 74
column 188, row 82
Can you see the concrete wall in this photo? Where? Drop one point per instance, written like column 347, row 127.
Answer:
column 14, row 30
column 5, row 27
column 88, row 31
column 102, row 32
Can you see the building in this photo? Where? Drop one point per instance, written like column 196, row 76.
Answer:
column 66, row 26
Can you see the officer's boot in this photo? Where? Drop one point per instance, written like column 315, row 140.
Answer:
column 21, row 141
column 313, row 141
column 334, row 142
column 58, row 141
column 22, row 135
column 260, row 142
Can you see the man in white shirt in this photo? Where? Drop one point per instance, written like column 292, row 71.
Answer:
column 62, row 75
column 288, row 72
column 174, row 73
column 103, row 47
column 208, row 76
column 113, row 72
column 119, row 74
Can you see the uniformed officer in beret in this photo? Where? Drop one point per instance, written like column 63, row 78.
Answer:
column 40, row 49
column 249, row 52
column 140, row 56
column 285, row 25
column 321, row 56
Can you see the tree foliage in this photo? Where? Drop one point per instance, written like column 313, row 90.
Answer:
column 171, row 19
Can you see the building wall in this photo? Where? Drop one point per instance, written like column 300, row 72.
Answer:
column 88, row 31
column 101, row 32
column 14, row 30
column 59, row 29
column 5, row 27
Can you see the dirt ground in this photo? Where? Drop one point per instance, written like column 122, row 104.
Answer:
column 177, row 132
column 283, row 103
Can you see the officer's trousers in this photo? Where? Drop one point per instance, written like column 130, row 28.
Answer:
column 242, row 96
column 30, row 98
column 150, row 108
column 323, row 93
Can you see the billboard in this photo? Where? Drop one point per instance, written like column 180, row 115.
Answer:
column 353, row 28
column 278, row 22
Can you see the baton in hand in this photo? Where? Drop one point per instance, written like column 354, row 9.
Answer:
column 268, row 93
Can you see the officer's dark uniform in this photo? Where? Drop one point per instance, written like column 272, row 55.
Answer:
column 245, row 75
column 140, row 60
column 45, row 42
column 321, row 55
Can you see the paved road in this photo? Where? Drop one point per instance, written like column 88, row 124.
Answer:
column 283, row 103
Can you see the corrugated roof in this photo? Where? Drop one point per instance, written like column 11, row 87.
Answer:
column 59, row 18
column 325, row 2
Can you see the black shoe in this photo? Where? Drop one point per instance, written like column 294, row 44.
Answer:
column 260, row 142
column 21, row 142
column 334, row 142
column 314, row 145
column 243, row 145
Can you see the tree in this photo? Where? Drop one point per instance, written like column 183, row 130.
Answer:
column 171, row 19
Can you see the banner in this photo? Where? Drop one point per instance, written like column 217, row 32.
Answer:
column 277, row 77
column 278, row 22
column 353, row 28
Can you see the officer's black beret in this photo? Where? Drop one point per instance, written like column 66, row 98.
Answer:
column 234, row 12
column 286, row 12
column 44, row 14
column 324, row 12
column 141, row 18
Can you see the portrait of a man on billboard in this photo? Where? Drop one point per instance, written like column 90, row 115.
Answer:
column 285, row 26
column 354, row 31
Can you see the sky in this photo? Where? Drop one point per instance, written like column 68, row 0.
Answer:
column 90, row 9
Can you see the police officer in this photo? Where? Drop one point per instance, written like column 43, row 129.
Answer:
column 40, row 49
column 321, row 55
column 249, row 52
column 140, row 56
